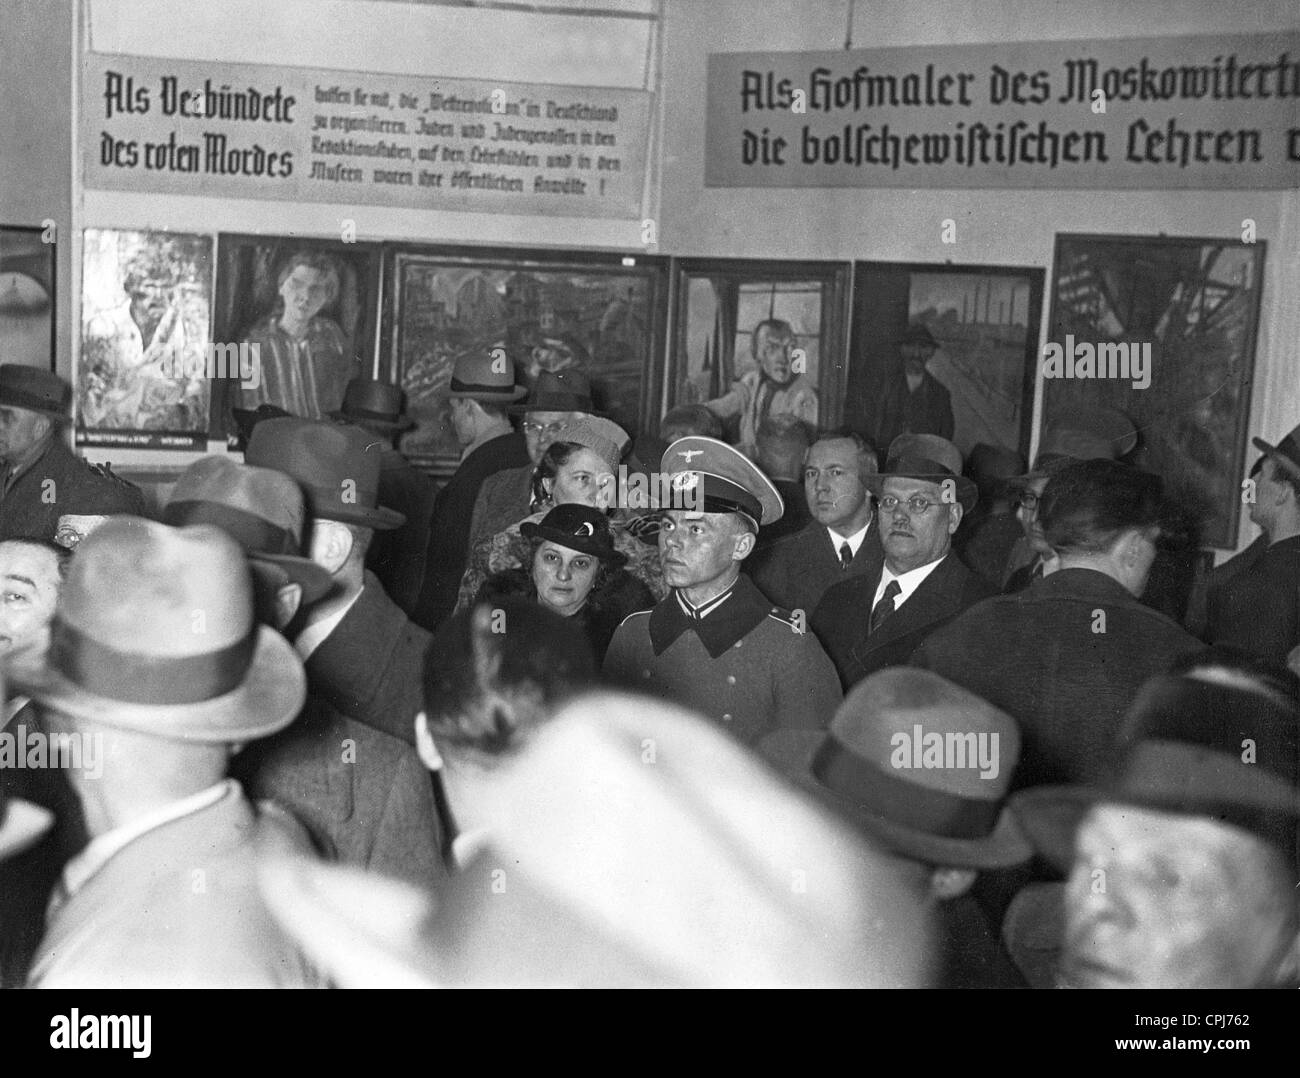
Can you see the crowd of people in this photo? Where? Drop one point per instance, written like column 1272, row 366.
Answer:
column 822, row 712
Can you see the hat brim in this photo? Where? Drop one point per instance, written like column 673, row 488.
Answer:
column 265, row 702
column 315, row 580
column 1050, row 816
column 791, row 752
column 1272, row 452
column 504, row 396
column 22, row 826
column 379, row 517
column 394, row 425
column 531, row 530
column 585, row 407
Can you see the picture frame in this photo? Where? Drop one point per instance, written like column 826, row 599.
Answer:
column 28, row 295
column 1195, row 301
column 146, row 326
column 603, row 313
column 311, row 305
column 718, row 304
column 977, row 385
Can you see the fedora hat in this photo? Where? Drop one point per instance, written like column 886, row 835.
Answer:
column 898, row 761
column 1286, row 453
column 701, row 870
column 919, row 334
column 1181, row 750
column 34, row 389
column 375, row 404
column 155, row 632
column 578, row 527
column 481, row 376
column 927, row 457
column 567, row 390
column 337, row 466
column 21, row 824
column 262, row 510
column 1088, row 432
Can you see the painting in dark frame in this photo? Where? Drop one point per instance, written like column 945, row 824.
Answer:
column 1195, row 301
column 718, row 305
column 27, row 295
column 555, row 310
column 979, row 382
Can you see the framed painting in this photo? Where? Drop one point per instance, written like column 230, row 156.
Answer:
column 146, row 333
column 1184, row 312
column 944, row 349
column 549, row 310
column 306, row 310
column 27, row 305
column 757, row 337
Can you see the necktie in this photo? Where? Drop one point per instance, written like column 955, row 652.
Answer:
column 846, row 554
column 885, row 607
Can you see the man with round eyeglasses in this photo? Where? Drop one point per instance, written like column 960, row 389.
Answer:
column 921, row 498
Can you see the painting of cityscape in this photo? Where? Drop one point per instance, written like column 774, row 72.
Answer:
column 548, row 310
column 944, row 349
column 1195, row 302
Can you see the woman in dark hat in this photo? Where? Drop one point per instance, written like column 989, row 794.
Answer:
column 575, row 571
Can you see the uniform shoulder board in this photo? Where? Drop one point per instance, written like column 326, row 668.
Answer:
column 786, row 616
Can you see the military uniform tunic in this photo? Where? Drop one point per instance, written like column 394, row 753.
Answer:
column 747, row 665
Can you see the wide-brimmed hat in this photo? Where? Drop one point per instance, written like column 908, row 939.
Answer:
column 603, row 437
column 727, row 481
column 1211, row 743
column 34, row 389
column 484, row 376
column 918, row 333
column 1286, row 452
column 155, row 632
column 261, row 509
column 375, row 404
column 927, row 457
column 696, row 867
column 337, row 467
column 578, row 527
column 1088, row 432
column 919, row 763
column 568, row 390
column 21, row 824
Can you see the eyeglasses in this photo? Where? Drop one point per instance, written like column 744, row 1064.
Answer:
column 1028, row 500
column 544, row 428
column 916, row 505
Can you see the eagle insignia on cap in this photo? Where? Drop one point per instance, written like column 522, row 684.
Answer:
column 689, row 454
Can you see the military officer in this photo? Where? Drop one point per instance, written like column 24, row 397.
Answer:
column 715, row 644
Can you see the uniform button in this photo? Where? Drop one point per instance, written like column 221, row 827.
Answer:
column 739, row 642
column 645, row 673
column 731, row 679
column 726, row 718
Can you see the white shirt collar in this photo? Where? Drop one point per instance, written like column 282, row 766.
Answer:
column 79, row 870
column 907, row 583
column 318, row 632
column 854, row 540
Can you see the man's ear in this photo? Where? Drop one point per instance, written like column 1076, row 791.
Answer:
column 331, row 543
column 955, row 512
column 744, row 545
column 288, row 597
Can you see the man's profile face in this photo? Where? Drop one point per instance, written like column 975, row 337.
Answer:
column 305, row 291
column 1027, row 514
column 29, row 590
column 1267, row 488
column 696, row 548
column 833, row 482
column 20, row 429
column 772, row 353
column 1159, row 900
column 913, row 539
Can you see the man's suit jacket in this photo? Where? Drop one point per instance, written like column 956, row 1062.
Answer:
column 365, row 797
column 179, row 907
column 1258, row 609
column 841, row 618
column 795, row 572
column 31, row 509
column 1065, row 658
column 371, row 667
column 505, row 498
column 449, row 525
column 397, row 556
